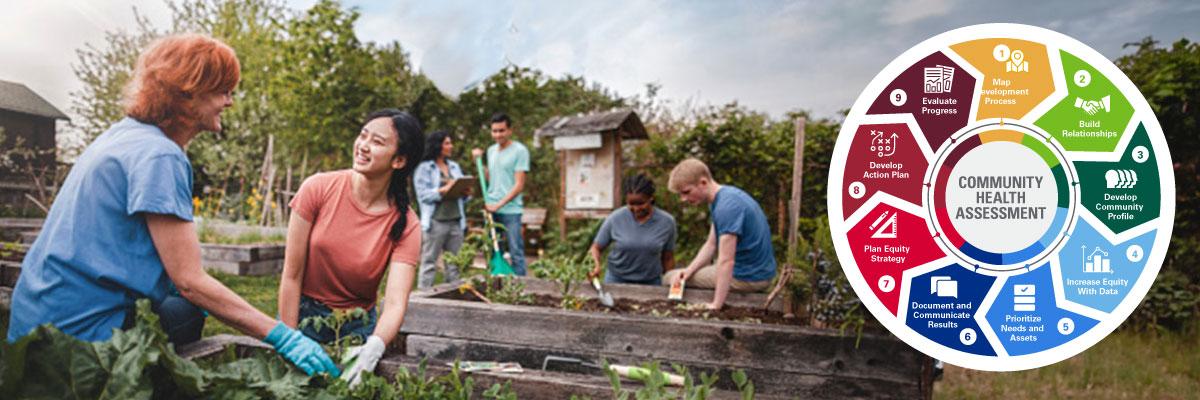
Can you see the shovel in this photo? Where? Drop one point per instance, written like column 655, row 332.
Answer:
column 605, row 297
column 497, row 265
column 627, row 371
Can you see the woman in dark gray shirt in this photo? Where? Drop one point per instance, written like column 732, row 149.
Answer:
column 642, row 237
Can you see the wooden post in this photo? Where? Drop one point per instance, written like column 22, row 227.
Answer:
column 562, row 194
column 793, row 218
column 794, row 204
column 618, row 172
column 287, row 196
column 268, row 179
column 797, row 187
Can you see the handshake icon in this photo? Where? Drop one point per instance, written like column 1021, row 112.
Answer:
column 1091, row 107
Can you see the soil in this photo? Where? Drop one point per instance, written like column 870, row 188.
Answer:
column 659, row 308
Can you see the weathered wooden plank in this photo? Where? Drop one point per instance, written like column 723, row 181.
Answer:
column 766, row 380
column 619, row 292
column 9, row 272
column 21, row 223
column 28, row 237
column 531, row 384
column 802, row 350
column 5, row 298
column 534, row 384
column 240, row 252
column 216, row 344
column 244, row 268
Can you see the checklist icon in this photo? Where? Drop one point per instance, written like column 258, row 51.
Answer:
column 1023, row 298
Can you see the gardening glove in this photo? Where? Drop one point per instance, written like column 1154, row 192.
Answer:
column 300, row 350
column 367, row 356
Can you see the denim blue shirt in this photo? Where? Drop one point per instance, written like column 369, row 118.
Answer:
column 95, row 257
column 427, row 179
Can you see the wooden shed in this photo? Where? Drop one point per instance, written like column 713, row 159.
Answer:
column 590, row 158
column 26, row 115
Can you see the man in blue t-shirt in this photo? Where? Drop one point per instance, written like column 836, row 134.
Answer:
column 739, row 237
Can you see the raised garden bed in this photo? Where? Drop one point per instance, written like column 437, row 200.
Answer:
column 531, row 384
column 11, row 255
column 251, row 259
column 243, row 259
column 781, row 358
column 12, row 228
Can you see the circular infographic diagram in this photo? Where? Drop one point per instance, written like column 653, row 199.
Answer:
column 1005, row 197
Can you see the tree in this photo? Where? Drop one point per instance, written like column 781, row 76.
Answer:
column 1169, row 78
column 530, row 98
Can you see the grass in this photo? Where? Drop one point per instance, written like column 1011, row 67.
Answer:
column 1125, row 365
column 208, row 235
column 260, row 291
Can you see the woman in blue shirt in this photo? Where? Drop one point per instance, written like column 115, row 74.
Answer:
column 642, row 237
column 443, row 221
column 121, row 226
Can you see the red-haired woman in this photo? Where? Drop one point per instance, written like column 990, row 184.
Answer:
column 121, row 227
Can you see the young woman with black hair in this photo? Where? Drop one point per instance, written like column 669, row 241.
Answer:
column 347, row 229
column 642, row 237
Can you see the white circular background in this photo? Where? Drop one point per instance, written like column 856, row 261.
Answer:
column 1053, row 41
column 1002, row 236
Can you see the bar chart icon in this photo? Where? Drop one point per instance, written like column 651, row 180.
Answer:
column 1097, row 261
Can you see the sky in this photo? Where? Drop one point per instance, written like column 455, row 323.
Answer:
column 769, row 56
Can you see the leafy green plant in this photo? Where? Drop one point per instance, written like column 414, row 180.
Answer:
column 577, row 240
column 565, row 271
column 10, row 249
column 465, row 256
column 503, row 289
column 335, row 322
column 139, row 363
column 507, row 289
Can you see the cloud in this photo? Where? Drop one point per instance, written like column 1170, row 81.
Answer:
column 38, row 40
column 908, row 11
column 769, row 56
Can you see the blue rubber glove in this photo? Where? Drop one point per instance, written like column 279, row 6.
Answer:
column 300, row 350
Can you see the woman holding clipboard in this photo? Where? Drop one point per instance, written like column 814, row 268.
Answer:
column 443, row 220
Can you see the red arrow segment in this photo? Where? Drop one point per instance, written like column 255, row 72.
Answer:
column 887, row 242
column 883, row 158
column 938, row 94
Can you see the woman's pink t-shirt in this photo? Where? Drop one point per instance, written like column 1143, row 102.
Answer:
column 349, row 249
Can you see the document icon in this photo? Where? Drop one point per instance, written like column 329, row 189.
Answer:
column 939, row 79
column 943, row 286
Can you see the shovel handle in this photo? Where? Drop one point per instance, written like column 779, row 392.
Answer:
column 643, row 374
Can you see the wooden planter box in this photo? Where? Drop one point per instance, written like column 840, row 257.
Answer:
column 780, row 359
column 11, row 229
column 529, row 385
column 243, row 259
column 237, row 259
column 9, row 271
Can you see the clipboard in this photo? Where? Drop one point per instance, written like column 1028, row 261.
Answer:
column 460, row 187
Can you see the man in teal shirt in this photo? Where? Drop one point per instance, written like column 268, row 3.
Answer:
column 507, row 165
